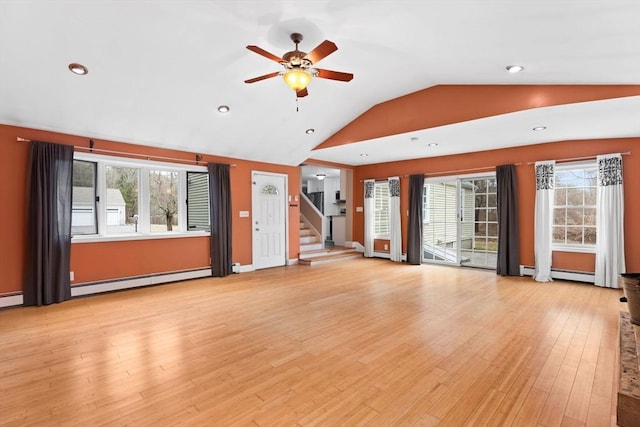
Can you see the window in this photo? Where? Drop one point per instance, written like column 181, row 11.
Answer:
column 115, row 197
column 198, row 201
column 426, row 214
column 574, row 212
column 486, row 215
column 163, row 200
column 122, row 199
column 83, row 209
column 381, row 209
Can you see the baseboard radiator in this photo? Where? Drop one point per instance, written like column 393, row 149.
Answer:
column 117, row 285
column 574, row 276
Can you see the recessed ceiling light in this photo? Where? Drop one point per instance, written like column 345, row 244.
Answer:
column 78, row 69
column 364, row 155
column 537, row 128
column 514, row 68
column 309, row 131
column 223, row 109
column 414, row 138
column 432, row 144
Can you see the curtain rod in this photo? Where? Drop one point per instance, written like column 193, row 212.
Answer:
column 90, row 149
column 575, row 159
column 436, row 174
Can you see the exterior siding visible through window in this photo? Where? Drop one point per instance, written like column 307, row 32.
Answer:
column 426, row 213
column 84, row 210
column 198, row 201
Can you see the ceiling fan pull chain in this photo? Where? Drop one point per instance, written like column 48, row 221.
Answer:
column 297, row 109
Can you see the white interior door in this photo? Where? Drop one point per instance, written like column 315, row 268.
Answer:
column 269, row 216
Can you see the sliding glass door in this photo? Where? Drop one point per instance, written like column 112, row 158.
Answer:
column 440, row 217
column 460, row 221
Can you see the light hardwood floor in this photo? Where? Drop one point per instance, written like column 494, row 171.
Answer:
column 360, row 342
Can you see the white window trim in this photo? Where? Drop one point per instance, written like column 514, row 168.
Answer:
column 381, row 236
column 426, row 204
column 561, row 247
column 143, row 233
column 587, row 249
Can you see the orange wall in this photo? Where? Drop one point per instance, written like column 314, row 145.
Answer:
column 526, row 189
column 111, row 260
column 446, row 104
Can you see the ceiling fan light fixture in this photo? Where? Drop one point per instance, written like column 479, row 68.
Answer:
column 297, row 79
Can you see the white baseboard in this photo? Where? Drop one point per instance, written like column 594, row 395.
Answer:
column 248, row 268
column 386, row 255
column 116, row 285
column 136, row 282
column 575, row 276
column 357, row 245
column 11, row 300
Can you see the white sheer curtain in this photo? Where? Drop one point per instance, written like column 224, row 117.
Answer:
column 610, row 221
column 545, row 183
column 395, row 233
column 369, row 216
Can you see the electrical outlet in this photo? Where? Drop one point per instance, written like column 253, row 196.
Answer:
column 71, row 276
column 386, row 247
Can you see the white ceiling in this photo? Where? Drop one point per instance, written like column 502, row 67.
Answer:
column 158, row 70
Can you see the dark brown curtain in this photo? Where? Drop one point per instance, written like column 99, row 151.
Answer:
column 508, row 232
column 49, row 187
column 414, row 231
column 220, row 218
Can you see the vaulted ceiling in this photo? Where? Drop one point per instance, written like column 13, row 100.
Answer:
column 425, row 73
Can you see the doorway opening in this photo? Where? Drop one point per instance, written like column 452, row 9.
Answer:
column 460, row 221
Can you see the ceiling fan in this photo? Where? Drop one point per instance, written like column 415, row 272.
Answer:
column 298, row 65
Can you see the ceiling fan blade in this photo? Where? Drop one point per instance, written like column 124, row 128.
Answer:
column 334, row 75
column 266, row 76
column 323, row 49
column 302, row 93
column 261, row 51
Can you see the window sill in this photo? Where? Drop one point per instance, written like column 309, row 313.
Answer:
column 575, row 249
column 138, row 236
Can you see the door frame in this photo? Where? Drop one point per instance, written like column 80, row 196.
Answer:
column 285, row 207
column 458, row 178
column 454, row 181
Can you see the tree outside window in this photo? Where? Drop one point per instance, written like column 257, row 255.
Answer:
column 163, row 206
column 574, row 212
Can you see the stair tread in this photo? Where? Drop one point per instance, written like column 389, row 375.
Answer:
column 305, row 248
column 329, row 258
column 332, row 249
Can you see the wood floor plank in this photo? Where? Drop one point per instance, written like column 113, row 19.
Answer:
column 361, row 342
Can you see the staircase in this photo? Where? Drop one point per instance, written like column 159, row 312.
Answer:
column 323, row 256
column 310, row 239
column 313, row 252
